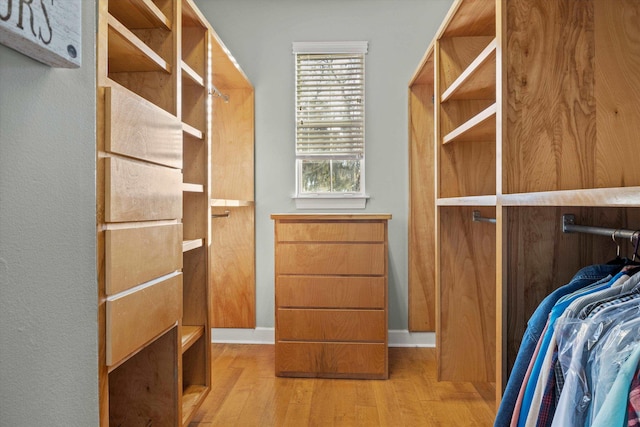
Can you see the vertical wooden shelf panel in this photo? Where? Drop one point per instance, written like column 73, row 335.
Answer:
column 466, row 338
column 233, row 267
column 232, row 190
column 195, row 330
column 422, row 197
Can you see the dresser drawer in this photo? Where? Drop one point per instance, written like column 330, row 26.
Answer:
column 332, row 360
column 330, row 232
column 331, row 325
column 135, row 318
column 330, row 291
column 331, row 258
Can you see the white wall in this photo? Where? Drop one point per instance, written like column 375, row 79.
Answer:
column 48, row 289
column 259, row 33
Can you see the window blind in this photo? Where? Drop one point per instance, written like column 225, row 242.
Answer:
column 330, row 104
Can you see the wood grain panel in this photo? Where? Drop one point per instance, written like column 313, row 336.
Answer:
column 456, row 54
column 466, row 338
column 196, row 160
column 467, row 169
column 617, row 91
column 332, row 360
column 158, row 88
column 331, row 325
column 454, row 114
column 137, row 128
column 232, row 152
column 232, row 289
column 194, row 45
column 134, row 319
column 195, row 288
column 331, row 258
column 194, row 106
column 137, row 255
column 421, row 209
column 195, row 216
column 139, row 192
column 551, row 109
column 330, row 291
column 143, row 391
column 226, row 73
column 470, row 18
column 348, row 231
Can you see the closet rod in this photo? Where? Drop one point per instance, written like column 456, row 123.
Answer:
column 478, row 218
column 569, row 226
column 216, row 92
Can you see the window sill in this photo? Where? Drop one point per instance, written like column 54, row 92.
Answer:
column 331, row 202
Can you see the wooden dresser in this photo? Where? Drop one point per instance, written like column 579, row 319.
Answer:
column 331, row 295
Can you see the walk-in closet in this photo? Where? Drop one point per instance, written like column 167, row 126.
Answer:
column 320, row 213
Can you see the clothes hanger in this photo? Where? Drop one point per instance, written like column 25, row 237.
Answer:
column 635, row 236
column 617, row 260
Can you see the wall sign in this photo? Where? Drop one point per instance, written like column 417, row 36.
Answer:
column 48, row 31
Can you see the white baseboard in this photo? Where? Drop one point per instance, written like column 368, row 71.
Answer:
column 243, row 336
column 397, row 337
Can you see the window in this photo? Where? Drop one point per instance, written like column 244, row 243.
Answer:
column 330, row 143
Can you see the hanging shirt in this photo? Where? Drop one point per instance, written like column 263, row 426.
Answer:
column 576, row 396
column 535, row 326
column 528, row 405
column 613, row 411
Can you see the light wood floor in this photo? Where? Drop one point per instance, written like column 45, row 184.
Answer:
column 246, row 393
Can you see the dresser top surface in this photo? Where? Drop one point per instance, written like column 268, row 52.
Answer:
column 331, row 217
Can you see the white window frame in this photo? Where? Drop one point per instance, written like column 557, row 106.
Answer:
column 330, row 200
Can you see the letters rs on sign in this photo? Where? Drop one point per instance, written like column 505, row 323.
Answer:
column 46, row 30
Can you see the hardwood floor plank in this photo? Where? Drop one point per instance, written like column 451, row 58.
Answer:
column 246, row 393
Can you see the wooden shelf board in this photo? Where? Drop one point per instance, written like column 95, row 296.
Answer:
column 490, row 200
column 192, row 188
column 190, row 130
column 189, row 245
column 618, row 197
column 127, row 53
column 139, row 14
column 470, row 18
column 190, row 334
column 231, row 203
column 478, row 80
column 192, row 75
column 192, row 398
column 480, row 128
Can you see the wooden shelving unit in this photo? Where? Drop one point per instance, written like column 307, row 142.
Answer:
column 155, row 124
column 523, row 134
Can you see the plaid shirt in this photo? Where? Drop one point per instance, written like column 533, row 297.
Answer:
column 549, row 398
